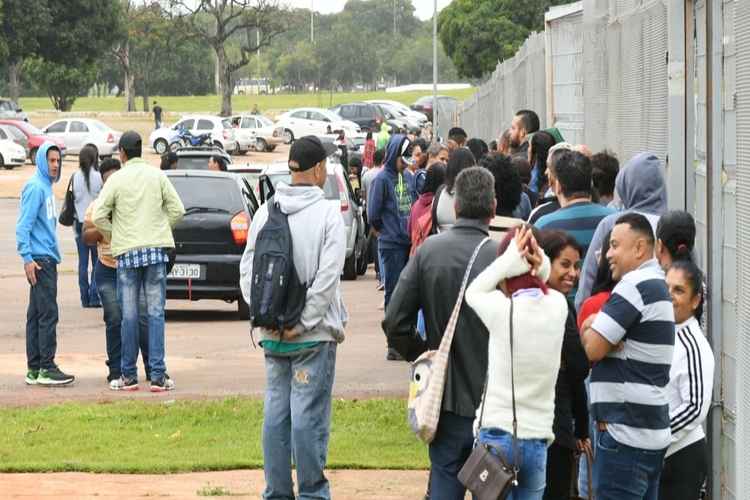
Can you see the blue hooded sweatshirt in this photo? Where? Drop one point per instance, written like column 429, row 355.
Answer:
column 641, row 188
column 389, row 201
column 37, row 218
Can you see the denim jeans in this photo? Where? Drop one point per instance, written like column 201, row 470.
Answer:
column 106, row 278
column 625, row 473
column 41, row 316
column 86, row 253
column 532, row 453
column 151, row 282
column 297, row 422
column 449, row 450
column 394, row 261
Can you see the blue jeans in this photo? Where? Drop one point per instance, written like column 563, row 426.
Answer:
column 86, row 253
column 532, row 473
column 297, row 421
column 41, row 317
column 625, row 473
column 449, row 450
column 151, row 281
column 106, row 278
column 394, row 261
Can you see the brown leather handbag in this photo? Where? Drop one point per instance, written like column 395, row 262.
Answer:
column 488, row 475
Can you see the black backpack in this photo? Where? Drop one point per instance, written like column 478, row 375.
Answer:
column 277, row 295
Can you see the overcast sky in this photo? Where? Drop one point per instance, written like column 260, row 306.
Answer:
column 423, row 7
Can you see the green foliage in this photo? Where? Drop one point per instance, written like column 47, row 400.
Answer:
column 477, row 34
column 62, row 82
column 165, row 437
column 20, row 29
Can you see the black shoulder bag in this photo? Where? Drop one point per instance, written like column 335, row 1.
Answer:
column 488, row 475
column 68, row 212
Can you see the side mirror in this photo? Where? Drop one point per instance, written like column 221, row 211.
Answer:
column 19, row 110
column 327, row 120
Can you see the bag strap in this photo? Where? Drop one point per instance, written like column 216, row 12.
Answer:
column 434, row 209
column 445, row 343
column 70, row 186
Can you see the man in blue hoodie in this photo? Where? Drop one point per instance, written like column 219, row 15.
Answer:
column 36, row 243
column 389, row 206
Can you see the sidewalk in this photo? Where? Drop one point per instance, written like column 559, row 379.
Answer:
column 240, row 484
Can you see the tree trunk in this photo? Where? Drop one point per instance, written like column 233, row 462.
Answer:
column 225, row 81
column 130, row 89
column 14, row 81
column 145, row 97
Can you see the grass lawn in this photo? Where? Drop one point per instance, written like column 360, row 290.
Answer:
column 212, row 103
column 183, row 436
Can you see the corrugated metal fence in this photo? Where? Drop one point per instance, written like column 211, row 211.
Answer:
column 603, row 74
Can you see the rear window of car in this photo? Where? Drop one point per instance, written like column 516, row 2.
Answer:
column 424, row 100
column 192, row 163
column 209, row 192
column 226, row 123
column 331, row 187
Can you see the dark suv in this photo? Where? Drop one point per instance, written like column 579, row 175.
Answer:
column 211, row 237
column 196, row 158
column 367, row 116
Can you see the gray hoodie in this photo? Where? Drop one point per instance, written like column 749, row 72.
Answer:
column 640, row 187
column 319, row 242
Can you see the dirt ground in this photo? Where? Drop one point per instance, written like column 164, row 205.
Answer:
column 345, row 485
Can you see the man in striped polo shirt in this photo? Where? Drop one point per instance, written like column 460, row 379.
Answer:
column 631, row 341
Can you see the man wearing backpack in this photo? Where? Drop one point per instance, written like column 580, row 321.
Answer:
column 300, row 354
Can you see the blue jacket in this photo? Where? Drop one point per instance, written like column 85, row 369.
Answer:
column 389, row 201
column 37, row 218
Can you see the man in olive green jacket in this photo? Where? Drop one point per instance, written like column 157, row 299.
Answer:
column 136, row 211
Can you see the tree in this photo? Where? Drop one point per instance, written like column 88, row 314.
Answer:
column 20, row 30
column 63, row 82
column 477, row 34
column 122, row 52
column 254, row 23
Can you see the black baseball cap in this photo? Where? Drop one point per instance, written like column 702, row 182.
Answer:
column 130, row 140
column 308, row 151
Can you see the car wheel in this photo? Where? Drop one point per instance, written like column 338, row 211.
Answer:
column 362, row 259
column 32, row 155
column 2, row 164
column 288, row 136
column 261, row 145
column 350, row 266
column 243, row 309
column 218, row 145
column 160, row 146
column 271, row 148
column 175, row 146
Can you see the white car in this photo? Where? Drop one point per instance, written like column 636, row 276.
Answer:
column 79, row 132
column 220, row 129
column 11, row 154
column 402, row 111
column 256, row 132
column 313, row 121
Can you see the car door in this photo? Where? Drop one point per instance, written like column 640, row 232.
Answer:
column 203, row 126
column 248, row 127
column 319, row 123
column 57, row 130
column 77, row 134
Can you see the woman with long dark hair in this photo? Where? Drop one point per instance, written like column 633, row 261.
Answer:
column 86, row 186
column 539, row 147
column 444, row 212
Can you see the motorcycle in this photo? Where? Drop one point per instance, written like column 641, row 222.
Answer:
column 184, row 139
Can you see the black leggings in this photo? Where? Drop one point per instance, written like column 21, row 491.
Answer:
column 684, row 473
column 560, row 462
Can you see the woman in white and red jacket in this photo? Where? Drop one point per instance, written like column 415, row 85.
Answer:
column 690, row 387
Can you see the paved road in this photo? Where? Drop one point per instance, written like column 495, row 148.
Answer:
column 208, row 350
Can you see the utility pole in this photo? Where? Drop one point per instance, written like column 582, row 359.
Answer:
column 312, row 22
column 257, row 53
column 434, row 73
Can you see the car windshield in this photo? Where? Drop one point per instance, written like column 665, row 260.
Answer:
column 31, row 129
column 226, row 123
column 330, row 115
column 264, row 121
column 331, row 188
column 100, row 126
column 208, row 194
column 192, row 163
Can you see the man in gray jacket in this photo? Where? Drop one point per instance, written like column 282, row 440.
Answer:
column 300, row 361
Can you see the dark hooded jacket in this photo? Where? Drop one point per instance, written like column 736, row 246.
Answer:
column 641, row 188
column 389, row 201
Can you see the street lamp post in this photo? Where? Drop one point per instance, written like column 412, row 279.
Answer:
column 434, row 72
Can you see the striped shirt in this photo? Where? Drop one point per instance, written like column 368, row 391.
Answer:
column 142, row 257
column 629, row 386
column 579, row 219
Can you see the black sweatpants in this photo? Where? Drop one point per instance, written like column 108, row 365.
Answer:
column 684, row 473
column 560, row 462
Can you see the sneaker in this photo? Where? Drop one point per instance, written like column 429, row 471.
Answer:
column 162, row 385
column 124, row 384
column 381, row 287
column 393, row 355
column 31, row 377
column 54, row 376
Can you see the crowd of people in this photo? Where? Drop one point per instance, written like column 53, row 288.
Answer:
column 579, row 334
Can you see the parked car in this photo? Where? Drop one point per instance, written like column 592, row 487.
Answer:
column 35, row 137
column 402, row 111
column 313, row 121
column 11, row 154
column 251, row 173
column 197, row 158
column 425, row 105
column 9, row 110
column 367, row 116
column 339, row 191
column 256, row 132
column 220, row 129
column 211, row 237
column 15, row 135
column 79, row 132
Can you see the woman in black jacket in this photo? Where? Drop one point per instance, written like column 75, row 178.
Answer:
column 571, row 410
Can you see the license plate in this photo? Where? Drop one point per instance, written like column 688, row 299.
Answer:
column 185, row 271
